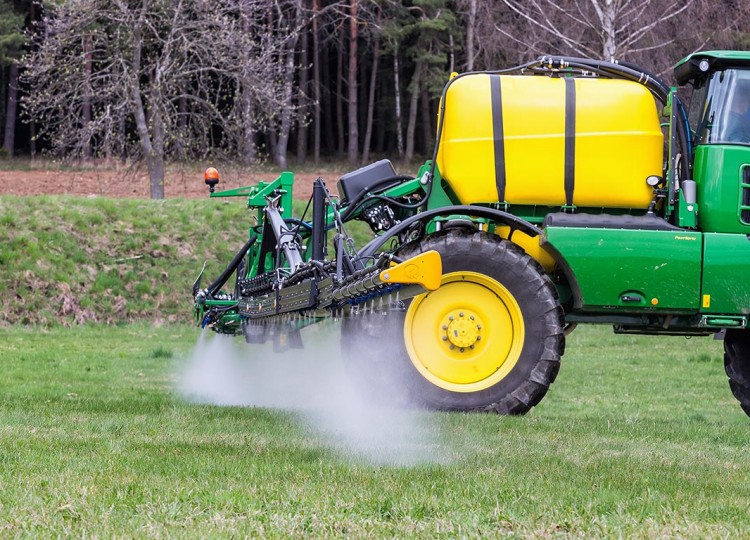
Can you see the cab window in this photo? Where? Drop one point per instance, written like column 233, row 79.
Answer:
column 723, row 115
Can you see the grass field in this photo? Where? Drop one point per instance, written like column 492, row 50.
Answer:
column 73, row 260
column 639, row 437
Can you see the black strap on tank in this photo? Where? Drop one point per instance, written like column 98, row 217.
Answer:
column 570, row 139
column 497, row 133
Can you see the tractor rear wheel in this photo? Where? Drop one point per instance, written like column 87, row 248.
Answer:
column 490, row 338
column 737, row 365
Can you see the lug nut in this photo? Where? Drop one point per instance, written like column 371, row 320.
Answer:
column 450, row 318
column 479, row 327
column 479, row 338
column 445, row 327
column 471, row 317
column 461, row 314
column 461, row 349
column 453, row 347
column 445, row 338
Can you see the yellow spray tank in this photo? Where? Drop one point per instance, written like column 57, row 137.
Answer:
column 550, row 141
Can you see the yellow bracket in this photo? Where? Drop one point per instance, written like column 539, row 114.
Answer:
column 425, row 269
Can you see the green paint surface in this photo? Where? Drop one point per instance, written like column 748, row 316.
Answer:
column 614, row 266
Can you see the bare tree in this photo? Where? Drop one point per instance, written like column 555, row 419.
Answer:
column 154, row 62
column 606, row 29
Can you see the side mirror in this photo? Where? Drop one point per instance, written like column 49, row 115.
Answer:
column 211, row 177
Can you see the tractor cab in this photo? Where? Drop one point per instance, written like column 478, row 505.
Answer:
column 719, row 119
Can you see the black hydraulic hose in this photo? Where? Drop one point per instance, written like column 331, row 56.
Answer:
column 623, row 71
column 683, row 133
column 299, row 223
column 222, row 279
column 636, row 67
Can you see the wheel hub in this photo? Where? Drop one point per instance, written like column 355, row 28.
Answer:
column 461, row 329
column 465, row 336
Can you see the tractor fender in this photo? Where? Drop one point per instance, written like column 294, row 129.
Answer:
column 531, row 238
column 511, row 222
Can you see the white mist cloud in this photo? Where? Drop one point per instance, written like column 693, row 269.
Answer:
column 312, row 381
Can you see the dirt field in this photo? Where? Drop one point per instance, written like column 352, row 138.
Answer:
column 119, row 183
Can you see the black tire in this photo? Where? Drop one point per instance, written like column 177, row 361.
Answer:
column 737, row 365
column 374, row 343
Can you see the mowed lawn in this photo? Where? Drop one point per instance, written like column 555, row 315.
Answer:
column 638, row 437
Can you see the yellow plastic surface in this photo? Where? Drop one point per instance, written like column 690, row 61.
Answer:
column 618, row 141
column 531, row 245
column 425, row 269
column 467, row 335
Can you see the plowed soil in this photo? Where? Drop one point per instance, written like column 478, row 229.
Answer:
column 126, row 183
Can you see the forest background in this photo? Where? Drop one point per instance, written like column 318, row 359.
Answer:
column 252, row 81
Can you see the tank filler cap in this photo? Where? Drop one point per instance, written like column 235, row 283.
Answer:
column 654, row 181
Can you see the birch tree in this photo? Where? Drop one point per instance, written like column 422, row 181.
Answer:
column 607, row 29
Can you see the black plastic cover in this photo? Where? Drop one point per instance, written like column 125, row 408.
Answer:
column 608, row 221
column 351, row 184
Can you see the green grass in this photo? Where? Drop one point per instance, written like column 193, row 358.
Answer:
column 71, row 260
column 638, row 438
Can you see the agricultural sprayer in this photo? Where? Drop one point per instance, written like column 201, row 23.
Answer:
column 560, row 192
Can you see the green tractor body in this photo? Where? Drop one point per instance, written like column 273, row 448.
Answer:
column 561, row 192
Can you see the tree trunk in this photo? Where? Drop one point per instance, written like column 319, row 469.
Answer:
column 399, row 121
column 155, row 164
column 303, row 100
column 352, row 112
column 327, row 106
column 273, row 142
column 316, row 83
column 11, row 111
column 247, row 140
column 248, row 132
column 282, row 144
column 182, row 125
column 610, row 33
column 413, row 102
column 339, row 97
column 156, row 159
column 381, row 126
column 426, row 123
column 451, row 54
column 470, row 52
column 371, row 99
column 32, row 138
column 152, row 149
column 86, row 105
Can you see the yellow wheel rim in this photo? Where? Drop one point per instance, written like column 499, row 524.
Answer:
column 467, row 335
